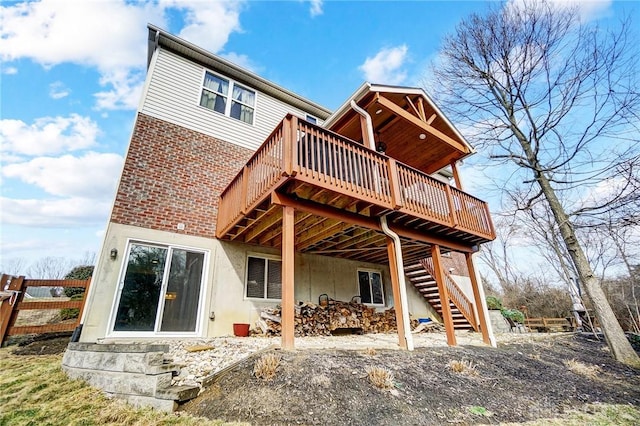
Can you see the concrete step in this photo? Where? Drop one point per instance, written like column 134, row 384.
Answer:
column 178, row 393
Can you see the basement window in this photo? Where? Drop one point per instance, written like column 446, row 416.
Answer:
column 370, row 287
column 264, row 278
column 227, row 97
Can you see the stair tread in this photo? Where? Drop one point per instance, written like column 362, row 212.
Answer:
column 428, row 288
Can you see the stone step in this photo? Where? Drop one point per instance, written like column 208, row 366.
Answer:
column 178, row 393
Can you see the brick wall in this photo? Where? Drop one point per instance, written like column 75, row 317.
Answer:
column 174, row 175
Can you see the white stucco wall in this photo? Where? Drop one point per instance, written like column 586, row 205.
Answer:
column 464, row 283
column 314, row 275
column 108, row 272
column 224, row 286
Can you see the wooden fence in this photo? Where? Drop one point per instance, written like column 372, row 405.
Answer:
column 12, row 291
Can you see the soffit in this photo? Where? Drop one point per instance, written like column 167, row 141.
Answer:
column 413, row 129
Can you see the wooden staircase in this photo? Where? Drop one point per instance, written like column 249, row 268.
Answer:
column 421, row 276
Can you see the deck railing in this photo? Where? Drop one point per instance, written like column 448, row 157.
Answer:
column 306, row 152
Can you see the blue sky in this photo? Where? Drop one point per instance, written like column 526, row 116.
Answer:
column 71, row 75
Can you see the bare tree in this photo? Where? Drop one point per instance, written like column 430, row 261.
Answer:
column 87, row 259
column 626, row 248
column 497, row 255
column 557, row 104
column 49, row 268
column 13, row 266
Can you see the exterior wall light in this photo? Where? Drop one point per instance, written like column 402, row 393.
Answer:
column 113, row 254
column 422, row 136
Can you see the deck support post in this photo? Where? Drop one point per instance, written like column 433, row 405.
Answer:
column 481, row 304
column 395, row 285
column 288, row 271
column 456, row 175
column 444, row 295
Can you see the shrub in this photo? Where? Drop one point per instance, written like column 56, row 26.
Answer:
column 513, row 314
column 265, row 368
column 69, row 313
column 380, row 377
column 463, row 366
column 589, row 371
column 494, row 303
column 77, row 273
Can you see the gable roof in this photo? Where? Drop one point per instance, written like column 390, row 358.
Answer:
column 413, row 128
column 159, row 37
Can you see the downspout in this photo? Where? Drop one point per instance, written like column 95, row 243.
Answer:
column 401, row 282
column 365, row 114
column 394, row 237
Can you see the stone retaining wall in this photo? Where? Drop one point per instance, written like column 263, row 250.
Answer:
column 137, row 373
column 498, row 322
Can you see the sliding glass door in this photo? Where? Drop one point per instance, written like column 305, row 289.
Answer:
column 160, row 290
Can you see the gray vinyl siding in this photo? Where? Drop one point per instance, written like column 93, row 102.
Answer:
column 174, row 95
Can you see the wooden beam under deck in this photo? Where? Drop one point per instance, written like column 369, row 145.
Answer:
column 363, row 221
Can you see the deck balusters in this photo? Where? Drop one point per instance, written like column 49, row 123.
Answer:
column 303, row 151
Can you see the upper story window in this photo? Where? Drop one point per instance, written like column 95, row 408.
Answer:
column 228, row 97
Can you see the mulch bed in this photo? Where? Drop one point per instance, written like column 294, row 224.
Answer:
column 513, row 383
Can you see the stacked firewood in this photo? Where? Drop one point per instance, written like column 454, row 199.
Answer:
column 316, row 320
column 426, row 327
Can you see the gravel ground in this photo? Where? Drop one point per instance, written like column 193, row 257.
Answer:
column 225, row 351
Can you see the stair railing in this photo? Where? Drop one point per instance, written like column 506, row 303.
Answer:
column 457, row 296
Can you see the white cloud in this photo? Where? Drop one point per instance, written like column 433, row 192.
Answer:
column 53, row 213
column 91, row 176
column 208, row 24
column 386, row 66
column 587, row 9
column 126, row 88
column 57, row 90
column 47, row 135
column 10, row 70
column 316, row 7
column 109, row 36
column 241, row 60
column 95, row 33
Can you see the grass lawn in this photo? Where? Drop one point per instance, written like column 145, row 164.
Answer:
column 35, row 391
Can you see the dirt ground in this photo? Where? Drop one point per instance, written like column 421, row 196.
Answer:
column 45, row 344
column 523, row 379
column 516, row 382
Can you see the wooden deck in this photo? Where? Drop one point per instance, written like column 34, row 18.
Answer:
column 339, row 189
